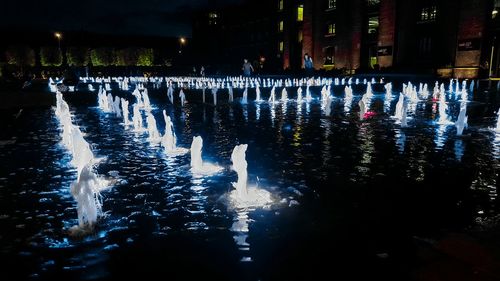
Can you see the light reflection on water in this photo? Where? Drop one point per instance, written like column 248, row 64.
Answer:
column 156, row 196
column 400, row 140
column 496, row 146
column 240, row 229
column 441, row 136
column 459, row 149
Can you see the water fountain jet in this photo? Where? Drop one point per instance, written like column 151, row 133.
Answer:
column 243, row 196
column 198, row 167
column 461, row 123
column 169, row 140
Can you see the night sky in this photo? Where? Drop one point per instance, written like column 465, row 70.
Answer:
column 126, row 17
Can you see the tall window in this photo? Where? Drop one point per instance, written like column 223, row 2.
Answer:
column 330, row 29
column 373, row 56
column 496, row 9
column 428, row 13
column 300, row 36
column 280, row 26
column 280, row 5
column 281, row 46
column 330, row 55
column 212, row 18
column 300, row 13
column 425, row 46
column 332, row 4
column 373, row 24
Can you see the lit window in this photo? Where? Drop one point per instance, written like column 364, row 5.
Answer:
column 496, row 8
column 280, row 26
column 373, row 61
column 212, row 18
column 300, row 36
column 280, row 5
column 300, row 13
column 428, row 13
column 330, row 29
column 373, row 2
column 373, row 25
column 373, row 56
column 332, row 4
column 281, row 46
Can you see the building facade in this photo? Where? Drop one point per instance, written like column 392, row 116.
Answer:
column 452, row 38
column 225, row 36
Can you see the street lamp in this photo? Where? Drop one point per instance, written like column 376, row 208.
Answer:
column 182, row 42
column 58, row 35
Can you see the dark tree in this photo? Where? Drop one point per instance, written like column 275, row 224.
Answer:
column 126, row 57
column 145, row 57
column 78, row 56
column 20, row 56
column 103, row 57
column 51, row 56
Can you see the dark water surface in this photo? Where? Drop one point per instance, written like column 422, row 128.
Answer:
column 350, row 195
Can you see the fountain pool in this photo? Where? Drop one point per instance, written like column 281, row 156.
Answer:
column 349, row 197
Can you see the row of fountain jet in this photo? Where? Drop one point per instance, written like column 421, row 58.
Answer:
column 124, row 83
column 88, row 185
column 243, row 199
column 408, row 95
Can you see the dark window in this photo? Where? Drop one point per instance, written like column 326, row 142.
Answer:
column 329, row 56
column 425, row 46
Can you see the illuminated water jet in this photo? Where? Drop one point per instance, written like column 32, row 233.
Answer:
column 86, row 191
column 461, row 122
column 154, row 136
column 126, row 120
column 169, row 140
column 244, row 196
column 197, row 165
column 137, row 118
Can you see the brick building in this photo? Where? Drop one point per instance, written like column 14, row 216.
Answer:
column 449, row 37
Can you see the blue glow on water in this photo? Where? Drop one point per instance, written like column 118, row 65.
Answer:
column 323, row 173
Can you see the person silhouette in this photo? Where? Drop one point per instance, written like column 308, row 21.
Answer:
column 308, row 65
column 247, row 68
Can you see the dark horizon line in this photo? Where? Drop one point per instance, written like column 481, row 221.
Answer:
column 7, row 30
